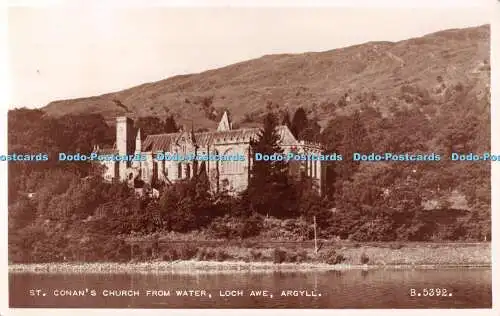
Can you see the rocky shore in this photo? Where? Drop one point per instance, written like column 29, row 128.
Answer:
column 207, row 266
column 364, row 257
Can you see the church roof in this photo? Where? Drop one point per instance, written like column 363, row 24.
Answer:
column 225, row 123
column 163, row 142
column 159, row 142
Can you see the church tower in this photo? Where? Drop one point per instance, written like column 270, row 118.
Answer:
column 124, row 143
column 225, row 124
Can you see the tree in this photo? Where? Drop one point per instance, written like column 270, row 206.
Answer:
column 203, row 199
column 299, row 122
column 188, row 204
column 170, row 126
column 150, row 125
column 344, row 135
column 81, row 131
column 268, row 190
column 32, row 131
column 355, row 140
column 312, row 132
column 21, row 214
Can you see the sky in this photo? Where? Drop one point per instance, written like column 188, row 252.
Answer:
column 62, row 53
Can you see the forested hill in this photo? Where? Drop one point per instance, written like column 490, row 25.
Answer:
column 420, row 72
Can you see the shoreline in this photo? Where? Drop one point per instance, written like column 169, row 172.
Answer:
column 190, row 266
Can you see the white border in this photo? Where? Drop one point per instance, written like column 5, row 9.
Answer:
column 259, row 3
column 495, row 129
column 4, row 102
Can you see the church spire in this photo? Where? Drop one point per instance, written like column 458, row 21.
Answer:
column 225, row 123
column 138, row 144
column 193, row 136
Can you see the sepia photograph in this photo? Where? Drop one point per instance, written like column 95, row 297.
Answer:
column 249, row 157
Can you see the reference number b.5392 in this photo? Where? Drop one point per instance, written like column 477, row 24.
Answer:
column 430, row 292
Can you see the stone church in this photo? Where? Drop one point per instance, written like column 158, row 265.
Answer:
column 232, row 176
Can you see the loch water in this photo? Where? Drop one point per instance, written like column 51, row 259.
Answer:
column 382, row 288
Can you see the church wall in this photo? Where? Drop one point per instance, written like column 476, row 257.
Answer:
column 223, row 175
column 233, row 175
column 147, row 168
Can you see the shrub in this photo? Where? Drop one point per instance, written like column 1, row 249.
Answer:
column 118, row 250
column 221, row 255
column 148, row 253
column 136, row 252
column 170, row 255
column 364, row 258
column 396, row 246
column 291, row 256
column 302, row 256
column 279, row 255
column 186, row 251
column 182, row 251
column 255, row 254
column 230, row 227
column 252, row 226
column 210, row 254
column 249, row 244
column 332, row 257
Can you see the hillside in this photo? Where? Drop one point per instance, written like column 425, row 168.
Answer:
column 418, row 71
column 423, row 95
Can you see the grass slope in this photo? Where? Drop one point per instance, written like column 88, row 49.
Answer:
column 313, row 80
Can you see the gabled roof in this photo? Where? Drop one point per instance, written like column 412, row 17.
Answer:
column 232, row 136
column 159, row 142
column 225, row 123
column 163, row 142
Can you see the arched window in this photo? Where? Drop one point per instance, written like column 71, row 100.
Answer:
column 310, row 167
column 223, row 165
column 217, row 162
column 231, row 166
column 202, row 167
column 188, row 171
column 179, row 170
column 155, row 174
column 315, row 163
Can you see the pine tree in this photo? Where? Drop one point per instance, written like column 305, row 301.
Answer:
column 170, row 126
column 268, row 184
column 299, row 122
column 312, row 132
column 344, row 135
column 202, row 198
column 355, row 140
column 149, row 125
